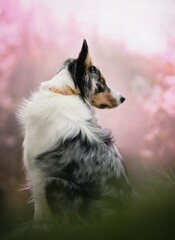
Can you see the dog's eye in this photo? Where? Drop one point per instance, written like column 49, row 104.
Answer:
column 101, row 88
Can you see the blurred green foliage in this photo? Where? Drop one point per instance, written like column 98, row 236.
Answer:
column 150, row 214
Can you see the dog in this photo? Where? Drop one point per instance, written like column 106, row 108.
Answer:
column 71, row 163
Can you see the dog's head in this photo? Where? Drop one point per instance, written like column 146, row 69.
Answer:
column 90, row 82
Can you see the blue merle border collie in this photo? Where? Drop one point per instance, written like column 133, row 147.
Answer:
column 71, row 163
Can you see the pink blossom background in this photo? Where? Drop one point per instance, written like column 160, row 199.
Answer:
column 133, row 44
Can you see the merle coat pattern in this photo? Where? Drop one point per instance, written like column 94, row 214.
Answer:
column 72, row 164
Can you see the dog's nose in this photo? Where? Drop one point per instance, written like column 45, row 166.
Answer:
column 122, row 99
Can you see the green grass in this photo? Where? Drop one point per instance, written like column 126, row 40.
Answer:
column 150, row 214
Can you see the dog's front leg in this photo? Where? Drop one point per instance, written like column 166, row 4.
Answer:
column 64, row 197
column 42, row 210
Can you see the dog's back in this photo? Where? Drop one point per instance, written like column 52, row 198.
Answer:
column 71, row 163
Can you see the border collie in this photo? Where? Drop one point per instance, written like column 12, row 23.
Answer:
column 71, row 163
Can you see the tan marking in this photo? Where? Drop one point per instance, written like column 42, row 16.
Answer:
column 67, row 91
column 104, row 98
column 88, row 62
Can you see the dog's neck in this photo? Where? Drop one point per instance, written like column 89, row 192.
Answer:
column 69, row 92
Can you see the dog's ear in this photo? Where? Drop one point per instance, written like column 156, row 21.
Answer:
column 84, row 59
column 82, row 64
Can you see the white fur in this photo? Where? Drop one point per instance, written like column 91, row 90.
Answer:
column 116, row 95
column 61, row 81
column 48, row 116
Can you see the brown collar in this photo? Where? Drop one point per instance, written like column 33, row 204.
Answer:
column 68, row 91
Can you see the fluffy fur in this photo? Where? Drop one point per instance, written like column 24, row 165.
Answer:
column 71, row 163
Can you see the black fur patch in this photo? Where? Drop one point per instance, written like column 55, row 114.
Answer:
column 79, row 72
column 81, row 79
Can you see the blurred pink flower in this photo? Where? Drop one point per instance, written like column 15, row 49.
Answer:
column 153, row 103
column 168, row 103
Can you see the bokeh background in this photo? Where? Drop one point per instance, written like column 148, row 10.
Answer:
column 132, row 43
